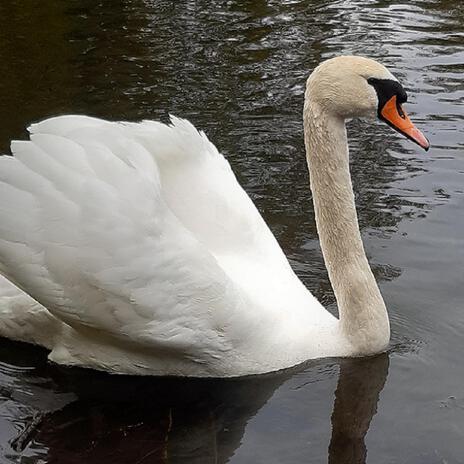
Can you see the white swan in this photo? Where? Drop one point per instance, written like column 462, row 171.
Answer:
column 151, row 259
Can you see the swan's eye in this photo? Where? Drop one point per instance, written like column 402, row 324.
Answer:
column 386, row 89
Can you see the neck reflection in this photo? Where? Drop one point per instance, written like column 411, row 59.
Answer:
column 356, row 397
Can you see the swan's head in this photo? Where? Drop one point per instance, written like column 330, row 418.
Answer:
column 353, row 86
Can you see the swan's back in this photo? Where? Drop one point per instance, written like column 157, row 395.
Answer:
column 140, row 237
column 196, row 181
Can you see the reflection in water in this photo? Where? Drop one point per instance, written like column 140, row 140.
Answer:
column 359, row 386
column 129, row 419
column 136, row 420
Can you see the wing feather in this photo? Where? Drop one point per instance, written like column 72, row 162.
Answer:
column 87, row 232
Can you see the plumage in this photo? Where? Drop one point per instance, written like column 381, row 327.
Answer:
column 148, row 256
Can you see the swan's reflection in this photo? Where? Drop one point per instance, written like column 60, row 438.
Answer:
column 137, row 420
column 134, row 420
column 359, row 385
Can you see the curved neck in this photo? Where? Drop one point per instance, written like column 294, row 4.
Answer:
column 363, row 315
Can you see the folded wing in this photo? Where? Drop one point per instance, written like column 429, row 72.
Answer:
column 93, row 226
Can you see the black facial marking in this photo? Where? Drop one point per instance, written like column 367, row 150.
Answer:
column 385, row 89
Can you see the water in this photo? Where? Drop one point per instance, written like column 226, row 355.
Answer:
column 237, row 70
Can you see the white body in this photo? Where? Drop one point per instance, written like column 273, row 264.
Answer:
column 151, row 259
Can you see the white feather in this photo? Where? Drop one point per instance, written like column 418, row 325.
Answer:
column 138, row 238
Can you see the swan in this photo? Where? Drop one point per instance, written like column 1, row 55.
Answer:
column 131, row 247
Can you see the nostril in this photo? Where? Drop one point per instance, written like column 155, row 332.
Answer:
column 400, row 109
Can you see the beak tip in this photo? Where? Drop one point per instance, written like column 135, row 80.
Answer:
column 417, row 136
column 426, row 145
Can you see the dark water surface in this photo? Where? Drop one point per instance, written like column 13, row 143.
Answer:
column 237, row 70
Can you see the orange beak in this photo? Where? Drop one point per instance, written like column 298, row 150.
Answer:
column 394, row 115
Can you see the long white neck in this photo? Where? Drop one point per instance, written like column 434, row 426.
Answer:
column 363, row 316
